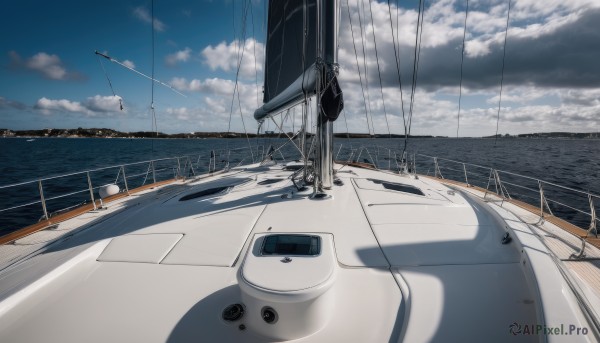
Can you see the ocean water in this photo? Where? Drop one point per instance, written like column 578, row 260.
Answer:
column 570, row 163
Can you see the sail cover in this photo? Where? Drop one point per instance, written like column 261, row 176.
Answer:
column 289, row 61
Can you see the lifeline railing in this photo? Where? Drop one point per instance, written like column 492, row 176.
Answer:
column 504, row 185
column 68, row 191
column 498, row 185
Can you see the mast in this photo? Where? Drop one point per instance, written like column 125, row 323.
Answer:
column 301, row 61
column 327, row 22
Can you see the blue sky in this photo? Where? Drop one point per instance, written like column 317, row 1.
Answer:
column 49, row 54
column 50, row 77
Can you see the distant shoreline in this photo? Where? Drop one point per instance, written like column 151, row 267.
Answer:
column 109, row 133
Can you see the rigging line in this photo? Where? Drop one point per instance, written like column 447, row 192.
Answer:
column 502, row 74
column 152, row 74
column 154, row 126
column 244, row 126
column 304, row 92
column 347, row 131
column 294, row 120
column 233, row 24
column 398, row 22
column 416, row 58
column 140, row 73
column 357, row 67
column 254, row 50
column 109, row 82
column 397, row 58
column 362, row 38
column 379, row 72
column 239, row 57
column 462, row 58
column 236, row 87
column 291, row 139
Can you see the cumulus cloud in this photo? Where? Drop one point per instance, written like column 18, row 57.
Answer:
column 143, row 14
column 46, row 106
column 552, row 49
column 213, row 86
column 178, row 56
column 225, row 56
column 103, row 104
column 92, row 106
column 550, row 68
column 581, row 97
column 201, row 118
column 218, row 103
column 180, row 113
column 47, row 65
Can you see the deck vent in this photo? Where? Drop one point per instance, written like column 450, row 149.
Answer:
column 268, row 181
column 400, row 187
column 293, row 167
column 204, row 192
column 269, row 315
column 233, row 312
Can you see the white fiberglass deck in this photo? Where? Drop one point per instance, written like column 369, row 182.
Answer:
column 415, row 268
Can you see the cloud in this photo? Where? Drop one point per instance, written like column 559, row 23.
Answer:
column 581, row 97
column 225, row 57
column 47, row 65
column 551, row 78
column 143, row 14
column 213, row 85
column 103, row 104
column 46, row 106
column 129, row 64
column 92, row 106
column 7, row 104
column 202, row 118
column 553, row 49
column 218, row 103
column 181, row 113
column 178, row 56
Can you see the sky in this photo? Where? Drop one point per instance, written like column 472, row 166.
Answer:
column 51, row 78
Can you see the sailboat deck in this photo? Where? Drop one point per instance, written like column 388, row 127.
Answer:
column 158, row 268
column 561, row 238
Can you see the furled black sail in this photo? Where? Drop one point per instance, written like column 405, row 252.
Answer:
column 290, row 59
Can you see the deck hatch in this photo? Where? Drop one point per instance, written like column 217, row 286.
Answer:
column 293, row 167
column 204, row 192
column 400, row 187
column 291, row 245
column 268, row 181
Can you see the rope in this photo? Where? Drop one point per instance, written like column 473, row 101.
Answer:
column 379, row 71
column 462, row 58
column 502, row 74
